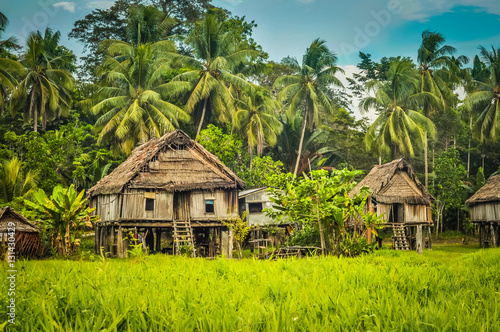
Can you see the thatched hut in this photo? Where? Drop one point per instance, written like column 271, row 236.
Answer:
column 484, row 208
column 27, row 236
column 401, row 199
column 173, row 186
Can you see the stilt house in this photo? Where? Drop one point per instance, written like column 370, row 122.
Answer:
column 484, row 208
column 27, row 236
column 171, row 187
column 402, row 201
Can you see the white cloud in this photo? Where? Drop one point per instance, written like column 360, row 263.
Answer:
column 68, row 6
column 421, row 10
column 349, row 71
column 101, row 4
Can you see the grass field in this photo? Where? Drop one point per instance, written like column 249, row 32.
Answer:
column 452, row 288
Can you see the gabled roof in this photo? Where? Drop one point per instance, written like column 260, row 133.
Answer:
column 22, row 224
column 488, row 193
column 245, row 193
column 394, row 182
column 192, row 167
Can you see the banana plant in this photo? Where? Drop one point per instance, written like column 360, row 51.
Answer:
column 66, row 214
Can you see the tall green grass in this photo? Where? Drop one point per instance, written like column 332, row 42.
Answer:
column 386, row 291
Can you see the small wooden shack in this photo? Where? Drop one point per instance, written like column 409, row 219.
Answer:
column 27, row 236
column 404, row 203
column 171, row 187
column 484, row 208
column 254, row 201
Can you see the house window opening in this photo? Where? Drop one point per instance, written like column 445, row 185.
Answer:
column 209, row 206
column 150, row 204
column 255, row 207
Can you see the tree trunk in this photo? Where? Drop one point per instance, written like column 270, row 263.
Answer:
column 250, row 153
column 202, row 118
column 426, row 163
column 468, row 151
column 304, row 122
column 35, row 112
column 380, row 159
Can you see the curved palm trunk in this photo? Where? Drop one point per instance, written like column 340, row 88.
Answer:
column 299, row 153
column 202, row 118
column 250, row 153
column 34, row 111
column 426, row 162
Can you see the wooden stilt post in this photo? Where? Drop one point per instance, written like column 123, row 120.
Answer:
column 493, row 236
column 104, row 239
column 97, row 240
column 429, row 235
column 419, row 237
column 112, row 246
column 481, row 236
column 158, row 239
column 119, row 243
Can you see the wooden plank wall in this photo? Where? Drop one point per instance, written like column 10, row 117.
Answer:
column 415, row 213
column 485, row 212
column 223, row 201
column 134, row 205
column 108, row 207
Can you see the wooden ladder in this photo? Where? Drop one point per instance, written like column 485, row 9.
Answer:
column 183, row 236
column 400, row 240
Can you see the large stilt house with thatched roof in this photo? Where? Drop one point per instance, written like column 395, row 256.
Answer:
column 484, row 208
column 171, row 194
column 14, row 227
column 402, row 201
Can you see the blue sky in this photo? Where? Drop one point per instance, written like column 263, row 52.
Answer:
column 287, row 27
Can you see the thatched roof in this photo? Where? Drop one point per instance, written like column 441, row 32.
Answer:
column 172, row 162
column 490, row 192
column 8, row 214
column 394, row 182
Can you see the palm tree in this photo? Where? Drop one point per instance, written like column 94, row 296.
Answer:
column 134, row 95
column 10, row 72
column 255, row 117
column 14, row 182
column 216, row 55
column 434, row 59
column 147, row 24
column 45, row 89
column 398, row 127
column 486, row 98
column 438, row 75
column 10, row 69
column 9, row 43
column 308, row 87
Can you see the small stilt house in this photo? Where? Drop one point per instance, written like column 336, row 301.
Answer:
column 402, row 201
column 26, row 236
column 484, row 208
column 171, row 194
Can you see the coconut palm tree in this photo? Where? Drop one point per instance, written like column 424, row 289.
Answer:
column 434, row 61
column 439, row 75
column 399, row 128
column 147, row 24
column 486, row 98
column 255, row 117
column 9, row 43
column 10, row 72
column 133, row 97
column 14, row 182
column 211, row 70
column 308, row 87
column 45, row 90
